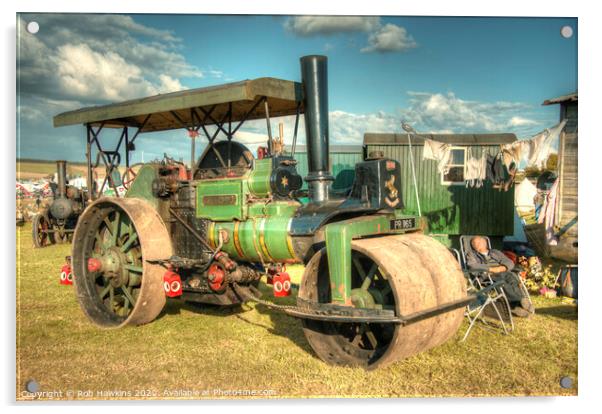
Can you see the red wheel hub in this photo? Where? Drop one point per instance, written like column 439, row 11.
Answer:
column 94, row 265
column 216, row 276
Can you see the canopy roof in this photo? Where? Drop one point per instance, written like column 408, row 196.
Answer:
column 193, row 107
column 571, row 97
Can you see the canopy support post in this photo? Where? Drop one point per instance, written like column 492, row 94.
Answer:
column 267, row 120
column 296, row 129
column 90, row 179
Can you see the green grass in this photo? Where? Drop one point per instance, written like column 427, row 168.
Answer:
column 203, row 349
column 40, row 168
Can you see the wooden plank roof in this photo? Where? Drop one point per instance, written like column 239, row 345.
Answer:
column 456, row 139
column 572, row 97
column 168, row 111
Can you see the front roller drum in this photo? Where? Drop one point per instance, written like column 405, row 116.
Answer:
column 116, row 245
column 405, row 273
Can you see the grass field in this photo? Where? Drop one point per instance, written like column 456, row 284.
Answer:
column 205, row 352
column 34, row 169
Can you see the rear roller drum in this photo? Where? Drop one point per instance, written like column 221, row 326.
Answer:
column 405, row 273
column 114, row 241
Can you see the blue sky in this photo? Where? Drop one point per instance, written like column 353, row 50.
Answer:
column 439, row 74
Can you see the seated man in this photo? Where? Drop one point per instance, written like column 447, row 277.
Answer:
column 496, row 263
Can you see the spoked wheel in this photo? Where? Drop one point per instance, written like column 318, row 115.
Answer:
column 406, row 273
column 114, row 241
column 40, row 235
column 128, row 177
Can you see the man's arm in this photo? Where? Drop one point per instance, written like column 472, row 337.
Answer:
column 503, row 259
column 473, row 262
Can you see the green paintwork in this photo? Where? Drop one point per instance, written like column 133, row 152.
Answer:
column 262, row 237
column 231, row 210
column 342, row 165
column 452, row 209
column 338, row 245
column 277, row 208
column 118, row 250
column 259, row 178
column 142, row 186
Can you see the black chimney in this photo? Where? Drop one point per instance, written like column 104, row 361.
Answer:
column 61, row 174
column 314, row 74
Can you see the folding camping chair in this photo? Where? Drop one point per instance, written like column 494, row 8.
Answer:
column 466, row 247
column 492, row 309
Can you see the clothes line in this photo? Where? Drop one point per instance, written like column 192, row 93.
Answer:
column 535, row 150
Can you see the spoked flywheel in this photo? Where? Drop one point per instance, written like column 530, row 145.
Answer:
column 405, row 273
column 113, row 243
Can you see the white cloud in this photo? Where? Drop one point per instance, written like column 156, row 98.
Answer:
column 349, row 128
column 247, row 137
column 169, row 84
column 106, row 76
column 389, row 38
column 327, row 25
column 520, row 121
column 382, row 38
column 98, row 58
column 436, row 112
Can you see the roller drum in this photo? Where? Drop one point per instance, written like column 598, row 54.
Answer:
column 421, row 274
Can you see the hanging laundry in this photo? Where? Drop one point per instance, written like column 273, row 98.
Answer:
column 495, row 170
column 547, row 213
column 515, row 152
column 541, row 145
column 511, row 176
column 434, row 150
column 476, row 169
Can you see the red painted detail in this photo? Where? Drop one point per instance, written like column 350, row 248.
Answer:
column 66, row 275
column 273, row 270
column 511, row 255
column 192, row 133
column 216, row 276
column 182, row 173
column 390, row 165
column 94, row 264
column 172, row 284
column 282, row 284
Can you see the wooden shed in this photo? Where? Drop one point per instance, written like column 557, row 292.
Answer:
column 566, row 205
column 449, row 206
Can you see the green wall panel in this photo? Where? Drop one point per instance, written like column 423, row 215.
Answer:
column 452, row 209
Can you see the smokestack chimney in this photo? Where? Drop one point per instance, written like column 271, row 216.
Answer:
column 61, row 174
column 314, row 75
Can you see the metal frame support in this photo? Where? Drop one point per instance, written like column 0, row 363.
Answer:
column 297, row 116
column 269, row 124
column 110, row 159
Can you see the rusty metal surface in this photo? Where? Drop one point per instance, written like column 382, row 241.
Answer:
column 422, row 274
column 155, row 245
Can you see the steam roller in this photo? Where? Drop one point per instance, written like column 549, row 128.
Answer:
column 375, row 289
